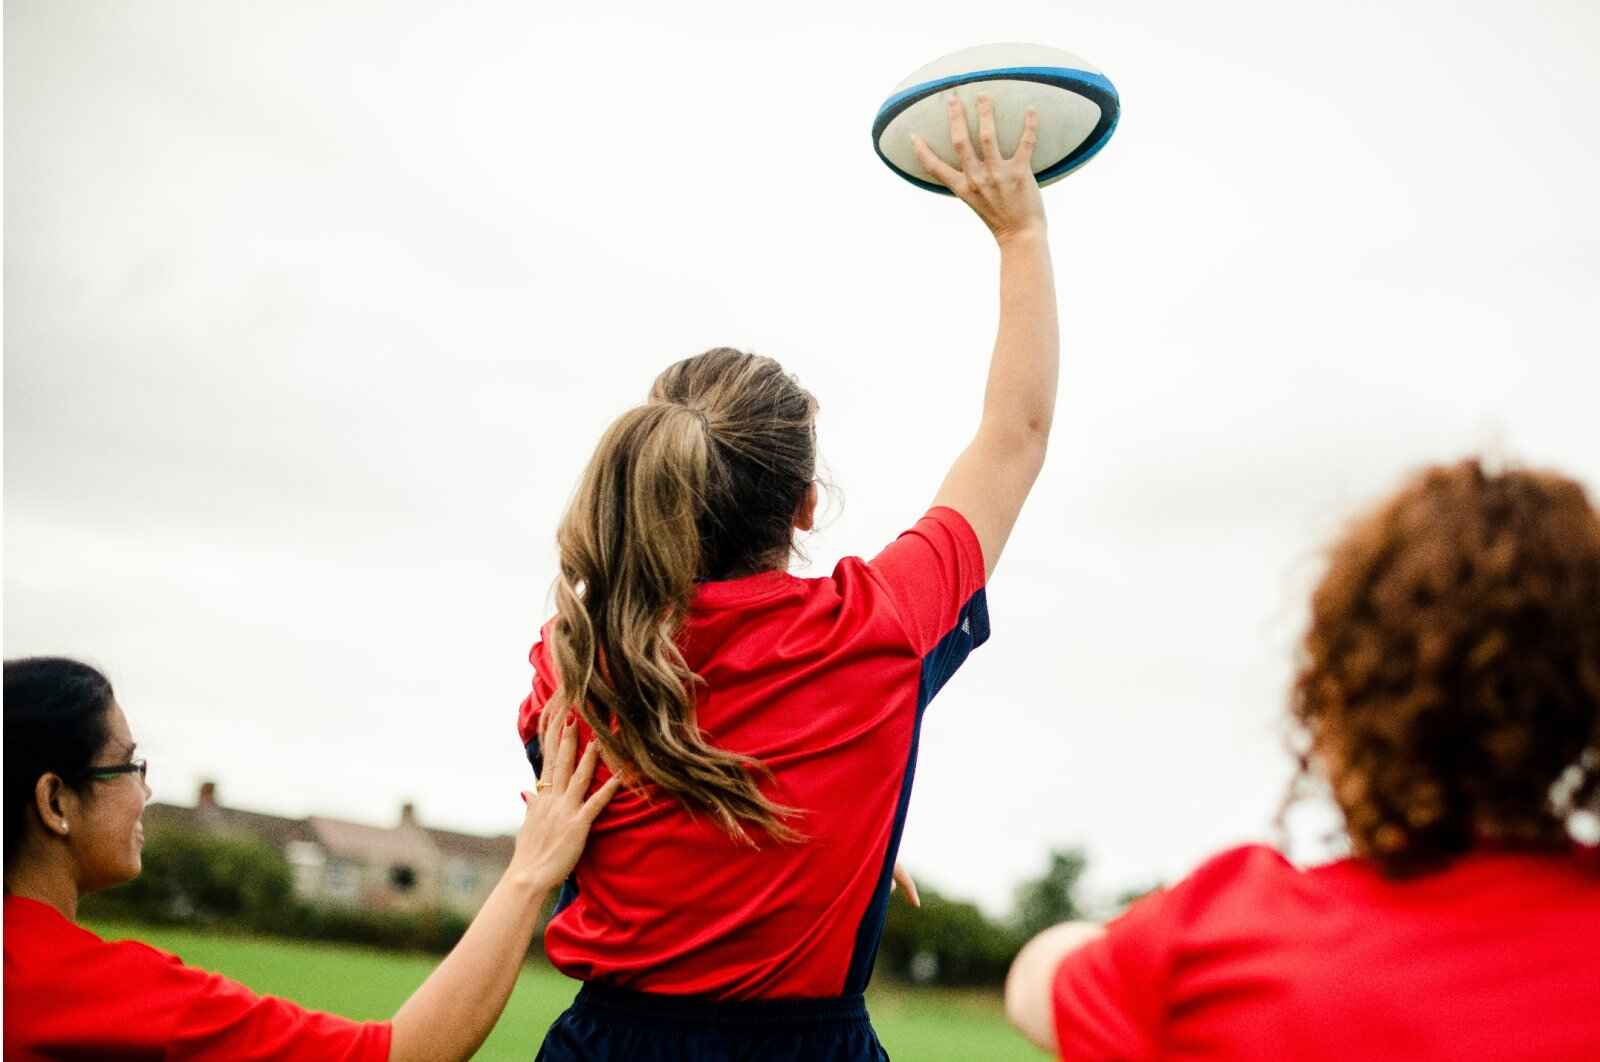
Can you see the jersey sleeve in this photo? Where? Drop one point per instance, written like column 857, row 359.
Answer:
column 1112, row 996
column 544, row 687
column 145, row 996
column 934, row 575
column 1107, row 996
column 224, row 1020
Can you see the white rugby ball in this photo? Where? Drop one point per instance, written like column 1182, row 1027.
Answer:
column 1077, row 107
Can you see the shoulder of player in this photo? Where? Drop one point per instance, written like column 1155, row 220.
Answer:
column 65, row 953
column 1238, row 882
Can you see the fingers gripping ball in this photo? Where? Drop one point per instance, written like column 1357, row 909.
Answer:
column 1077, row 109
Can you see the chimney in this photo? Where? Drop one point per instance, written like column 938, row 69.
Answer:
column 408, row 814
column 208, row 795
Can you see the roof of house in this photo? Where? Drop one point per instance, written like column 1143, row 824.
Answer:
column 408, row 843
column 229, row 822
column 372, row 844
column 472, row 846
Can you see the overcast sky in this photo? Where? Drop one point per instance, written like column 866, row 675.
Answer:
column 314, row 312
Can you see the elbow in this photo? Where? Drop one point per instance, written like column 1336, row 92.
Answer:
column 1019, row 443
column 1016, row 1011
column 1036, row 425
column 1036, row 440
column 1027, row 997
column 1029, row 451
column 1031, row 428
column 1028, row 993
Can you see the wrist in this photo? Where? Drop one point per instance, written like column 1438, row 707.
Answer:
column 529, row 881
column 1030, row 236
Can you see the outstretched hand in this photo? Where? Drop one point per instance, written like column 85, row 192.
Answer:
column 559, row 816
column 1002, row 192
column 902, row 879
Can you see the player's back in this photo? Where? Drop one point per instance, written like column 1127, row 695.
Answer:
column 1251, row 958
column 823, row 682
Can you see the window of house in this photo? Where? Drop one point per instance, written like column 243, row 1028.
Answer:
column 461, row 877
column 304, row 854
column 341, row 880
column 402, row 877
column 305, row 866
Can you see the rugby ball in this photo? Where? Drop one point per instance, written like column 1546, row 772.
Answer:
column 1077, row 107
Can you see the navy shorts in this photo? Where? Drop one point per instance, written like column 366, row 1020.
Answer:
column 612, row 1025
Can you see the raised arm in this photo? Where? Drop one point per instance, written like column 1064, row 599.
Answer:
column 990, row 480
column 456, row 1007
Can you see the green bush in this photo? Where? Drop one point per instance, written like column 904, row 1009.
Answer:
column 945, row 942
column 198, row 879
column 949, row 942
column 1052, row 897
column 433, row 930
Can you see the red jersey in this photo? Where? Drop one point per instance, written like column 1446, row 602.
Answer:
column 69, row 994
column 1250, row 958
column 823, row 681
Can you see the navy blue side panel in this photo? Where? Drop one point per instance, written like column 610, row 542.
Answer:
column 569, row 892
column 870, row 932
column 952, row 650
column 971, row 631
column 535, row 756
column 1095, row 87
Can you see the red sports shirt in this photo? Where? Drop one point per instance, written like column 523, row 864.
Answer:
column 824, row 681
column 1496, row 957
column 69, row 994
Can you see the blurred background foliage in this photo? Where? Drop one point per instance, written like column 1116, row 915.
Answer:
column 215, row 883
column 204, row 881
column 952, row 942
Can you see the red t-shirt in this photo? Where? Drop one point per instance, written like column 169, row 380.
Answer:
column 1496, row 957
column 824, row 681
column 69, row 994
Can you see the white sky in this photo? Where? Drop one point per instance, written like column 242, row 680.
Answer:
column 314, row 312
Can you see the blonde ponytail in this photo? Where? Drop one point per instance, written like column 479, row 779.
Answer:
column 659, row 487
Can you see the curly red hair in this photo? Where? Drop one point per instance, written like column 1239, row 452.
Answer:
column 1449, row 685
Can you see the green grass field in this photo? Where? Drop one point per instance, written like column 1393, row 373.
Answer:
column 914, row 1025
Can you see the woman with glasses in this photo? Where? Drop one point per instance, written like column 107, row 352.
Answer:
column 74, row 793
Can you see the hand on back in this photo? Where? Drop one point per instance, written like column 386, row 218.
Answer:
column 1003, row 192
column 559, row 815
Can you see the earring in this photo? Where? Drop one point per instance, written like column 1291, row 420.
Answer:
column 63, row 825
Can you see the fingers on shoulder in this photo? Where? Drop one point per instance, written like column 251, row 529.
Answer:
column 601, row 797
column 554, row 715
column 583, row 774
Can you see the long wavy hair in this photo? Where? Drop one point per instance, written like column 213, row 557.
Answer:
column 1449, row 683
column 703, row 481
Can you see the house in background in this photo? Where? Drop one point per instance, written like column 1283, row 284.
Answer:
column 407, row 867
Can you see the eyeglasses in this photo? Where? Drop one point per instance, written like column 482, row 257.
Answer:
column 105, row 774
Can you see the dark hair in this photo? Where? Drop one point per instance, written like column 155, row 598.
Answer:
column 1450, row 680
column 55, row 724
column 703, row 481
